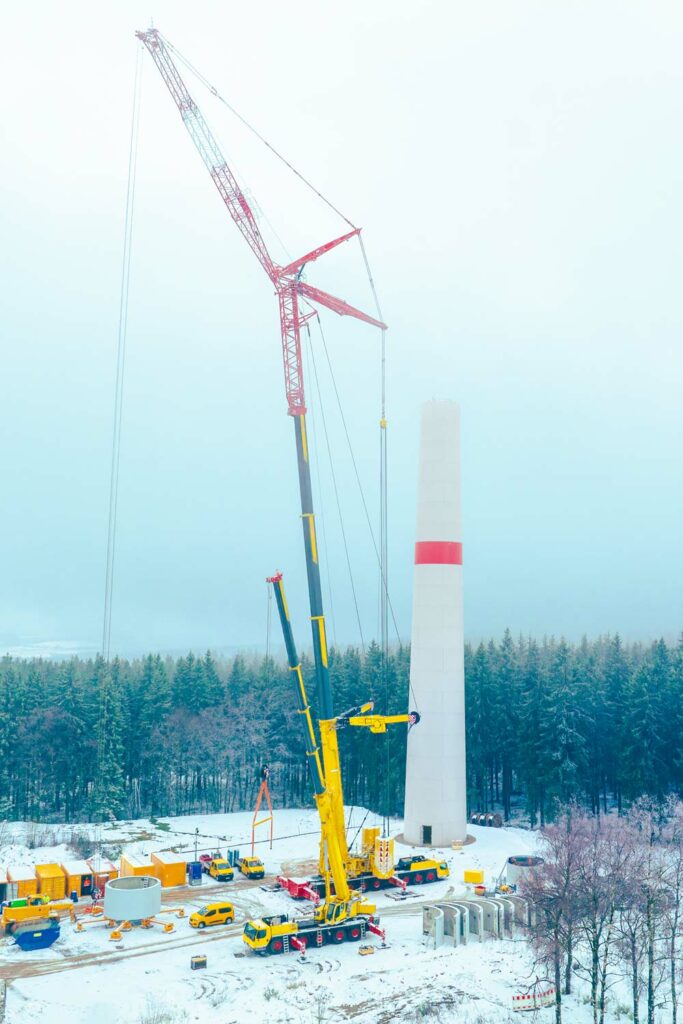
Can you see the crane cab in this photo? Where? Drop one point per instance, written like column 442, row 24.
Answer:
column 337, row 911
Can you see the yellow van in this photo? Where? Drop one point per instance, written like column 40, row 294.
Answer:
column 213, row 913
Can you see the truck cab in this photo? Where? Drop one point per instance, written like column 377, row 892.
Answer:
column 267, row 934
column 252, row 867
column 212, row 913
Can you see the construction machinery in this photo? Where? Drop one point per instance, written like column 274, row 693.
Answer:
column 296, row 303
column 372, row 867
column 344, row 914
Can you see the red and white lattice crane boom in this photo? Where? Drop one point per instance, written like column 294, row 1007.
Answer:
column 289, row 288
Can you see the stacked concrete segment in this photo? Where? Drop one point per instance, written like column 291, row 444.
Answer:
column 435, row 802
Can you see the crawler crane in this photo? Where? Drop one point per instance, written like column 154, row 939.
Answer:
column 344, row 915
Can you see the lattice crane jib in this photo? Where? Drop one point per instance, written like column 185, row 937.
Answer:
column 289, row 289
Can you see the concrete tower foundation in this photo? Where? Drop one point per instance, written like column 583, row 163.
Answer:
column 436, row 791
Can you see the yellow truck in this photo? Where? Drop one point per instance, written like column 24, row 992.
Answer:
column 218, row 868
column 337, row 923
column 252, row 867
column 213, row 913
column 414, row 870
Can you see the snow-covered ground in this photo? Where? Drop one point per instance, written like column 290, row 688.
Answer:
column 153, row 984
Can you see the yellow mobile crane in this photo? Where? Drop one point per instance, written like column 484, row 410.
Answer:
column 344, row 915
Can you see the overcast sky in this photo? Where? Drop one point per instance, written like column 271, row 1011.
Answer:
column 517, row 171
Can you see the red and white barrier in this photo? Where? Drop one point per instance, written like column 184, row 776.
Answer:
column 534, row 1000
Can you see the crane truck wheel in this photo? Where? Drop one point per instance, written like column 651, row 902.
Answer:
column 353, row 934
column 275, row 946
column 375, row 884
column 338, row 935
column 431, row 876
column 418, row 878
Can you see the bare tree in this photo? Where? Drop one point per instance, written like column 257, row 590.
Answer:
column 551, row 888
column 648, row 820
column 630, row 919
column 672, row 918
column 602, row 849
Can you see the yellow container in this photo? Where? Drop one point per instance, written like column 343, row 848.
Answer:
column 134, row 864
column 21, row 881
column 170, row 869
column 51, row 881
column 474, row 877
column 79, row 877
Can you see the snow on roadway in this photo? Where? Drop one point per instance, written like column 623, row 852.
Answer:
column 472, row 984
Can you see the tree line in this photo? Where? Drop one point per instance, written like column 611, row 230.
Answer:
column 547, row 723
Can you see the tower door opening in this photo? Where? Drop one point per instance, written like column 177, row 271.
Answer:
column 427, row 835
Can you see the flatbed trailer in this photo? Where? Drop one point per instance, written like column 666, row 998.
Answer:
column 409, row 871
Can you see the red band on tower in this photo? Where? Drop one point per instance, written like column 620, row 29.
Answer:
column 438, row 552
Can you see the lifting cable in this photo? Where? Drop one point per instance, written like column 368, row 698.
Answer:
column 385, row 600
column 121, row 359
column 212, row 89
column 336, row 491
column 354, row 464
column 323, row 521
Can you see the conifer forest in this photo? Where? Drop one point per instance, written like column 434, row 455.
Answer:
column 548, row 723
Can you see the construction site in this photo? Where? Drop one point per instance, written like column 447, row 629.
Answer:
column 81, row 973
column 318, row 881
column 330, row 911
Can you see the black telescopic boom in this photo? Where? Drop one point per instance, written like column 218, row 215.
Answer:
column 313, row 570
column 312, row 751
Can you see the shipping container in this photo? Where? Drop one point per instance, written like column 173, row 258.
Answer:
column 51, row 881
column 22, row 881
column 135, row 864
column 79, row 877
column 103, row 871
column 170, row 869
